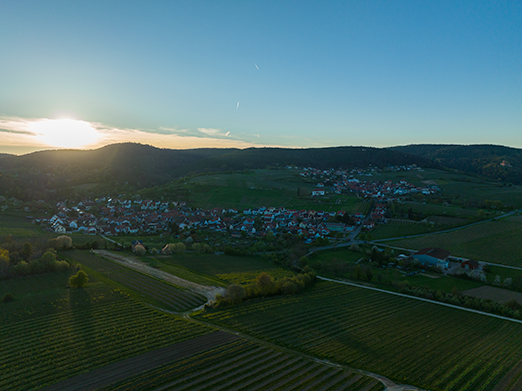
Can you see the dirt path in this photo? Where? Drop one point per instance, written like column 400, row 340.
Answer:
column 209, row 292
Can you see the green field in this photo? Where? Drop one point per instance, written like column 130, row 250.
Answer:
column 493, row 241
column 18, row 225
column 414, row 342
column 50, row 332
column 458, row 187
column 394, row 229
column 276, row 188
column 225, row 268
column 431, row 209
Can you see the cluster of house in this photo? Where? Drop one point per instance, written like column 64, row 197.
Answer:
column 116, row 216
column 342, row 181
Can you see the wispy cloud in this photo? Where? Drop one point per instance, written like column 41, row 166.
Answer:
column 213, row 132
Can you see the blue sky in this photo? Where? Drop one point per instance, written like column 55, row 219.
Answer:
column 305, row 73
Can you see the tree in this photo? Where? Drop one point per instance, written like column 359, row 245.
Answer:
column 4, row 260
column 79, row 280
column 357, row 271
column 507, row 282
column 497, row 280
column 64, row 242
column 27, row 251
column 177, row 247
column 139, row 249
column 235, row 293
column 369, row 274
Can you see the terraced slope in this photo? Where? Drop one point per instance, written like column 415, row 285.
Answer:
column 168, row 295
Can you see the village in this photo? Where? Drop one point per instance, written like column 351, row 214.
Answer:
column 124, row 216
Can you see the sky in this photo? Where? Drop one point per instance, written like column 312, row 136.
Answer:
column 193, row 74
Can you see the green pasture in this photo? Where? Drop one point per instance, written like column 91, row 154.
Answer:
column 267, row 179
column 17, row 225
column 457, row 186
column 492, row 241
column 223, row 267
column 343, row 254
column 442, row 283
column 410, row 341
column 50, row 333
column 164, row 263
column 265, row 188
column 432, row 209
column 394, row 229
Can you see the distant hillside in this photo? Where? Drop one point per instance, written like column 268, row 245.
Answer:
column 495, row 162
column 338, row 157
column 127, row 166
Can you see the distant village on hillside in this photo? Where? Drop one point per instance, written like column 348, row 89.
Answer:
column 115, row 216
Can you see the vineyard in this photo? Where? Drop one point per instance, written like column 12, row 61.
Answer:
column 493, row 241
column 411, row 341
column 51, row 333
column 167, row 295
column 247, row 366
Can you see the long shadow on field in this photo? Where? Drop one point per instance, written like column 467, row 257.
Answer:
column 82, row 320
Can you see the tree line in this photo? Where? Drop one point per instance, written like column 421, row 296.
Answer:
column 265, row 286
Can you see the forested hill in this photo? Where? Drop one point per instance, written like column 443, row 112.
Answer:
column 323, row 158
column 496, row 162
column 136, row 166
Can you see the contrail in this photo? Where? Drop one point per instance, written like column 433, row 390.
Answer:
column 237, row 107
column 256, row 66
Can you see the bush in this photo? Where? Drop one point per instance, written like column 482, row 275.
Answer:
column 79, row 280
column 8, row 298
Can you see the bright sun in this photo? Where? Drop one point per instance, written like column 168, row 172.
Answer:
column 65, row 133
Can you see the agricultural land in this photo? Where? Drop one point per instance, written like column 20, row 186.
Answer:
column 266, row 279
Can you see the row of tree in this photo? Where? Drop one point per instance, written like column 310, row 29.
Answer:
column 264, row 286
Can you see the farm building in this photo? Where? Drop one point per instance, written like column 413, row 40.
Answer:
column 437, row 257
column 470, row 264
column 317, row 192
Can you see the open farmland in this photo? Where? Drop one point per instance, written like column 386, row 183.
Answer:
column 492, row 241
column 226, row 268
column 397, row 228
column 167, row 295
column 17, row 225
column 248, row 366
column 50, row 333
column 276, row 188
column 414, row 342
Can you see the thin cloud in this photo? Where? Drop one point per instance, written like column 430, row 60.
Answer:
column 213, row 132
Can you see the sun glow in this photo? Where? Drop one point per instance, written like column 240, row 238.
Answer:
column 65, row 133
